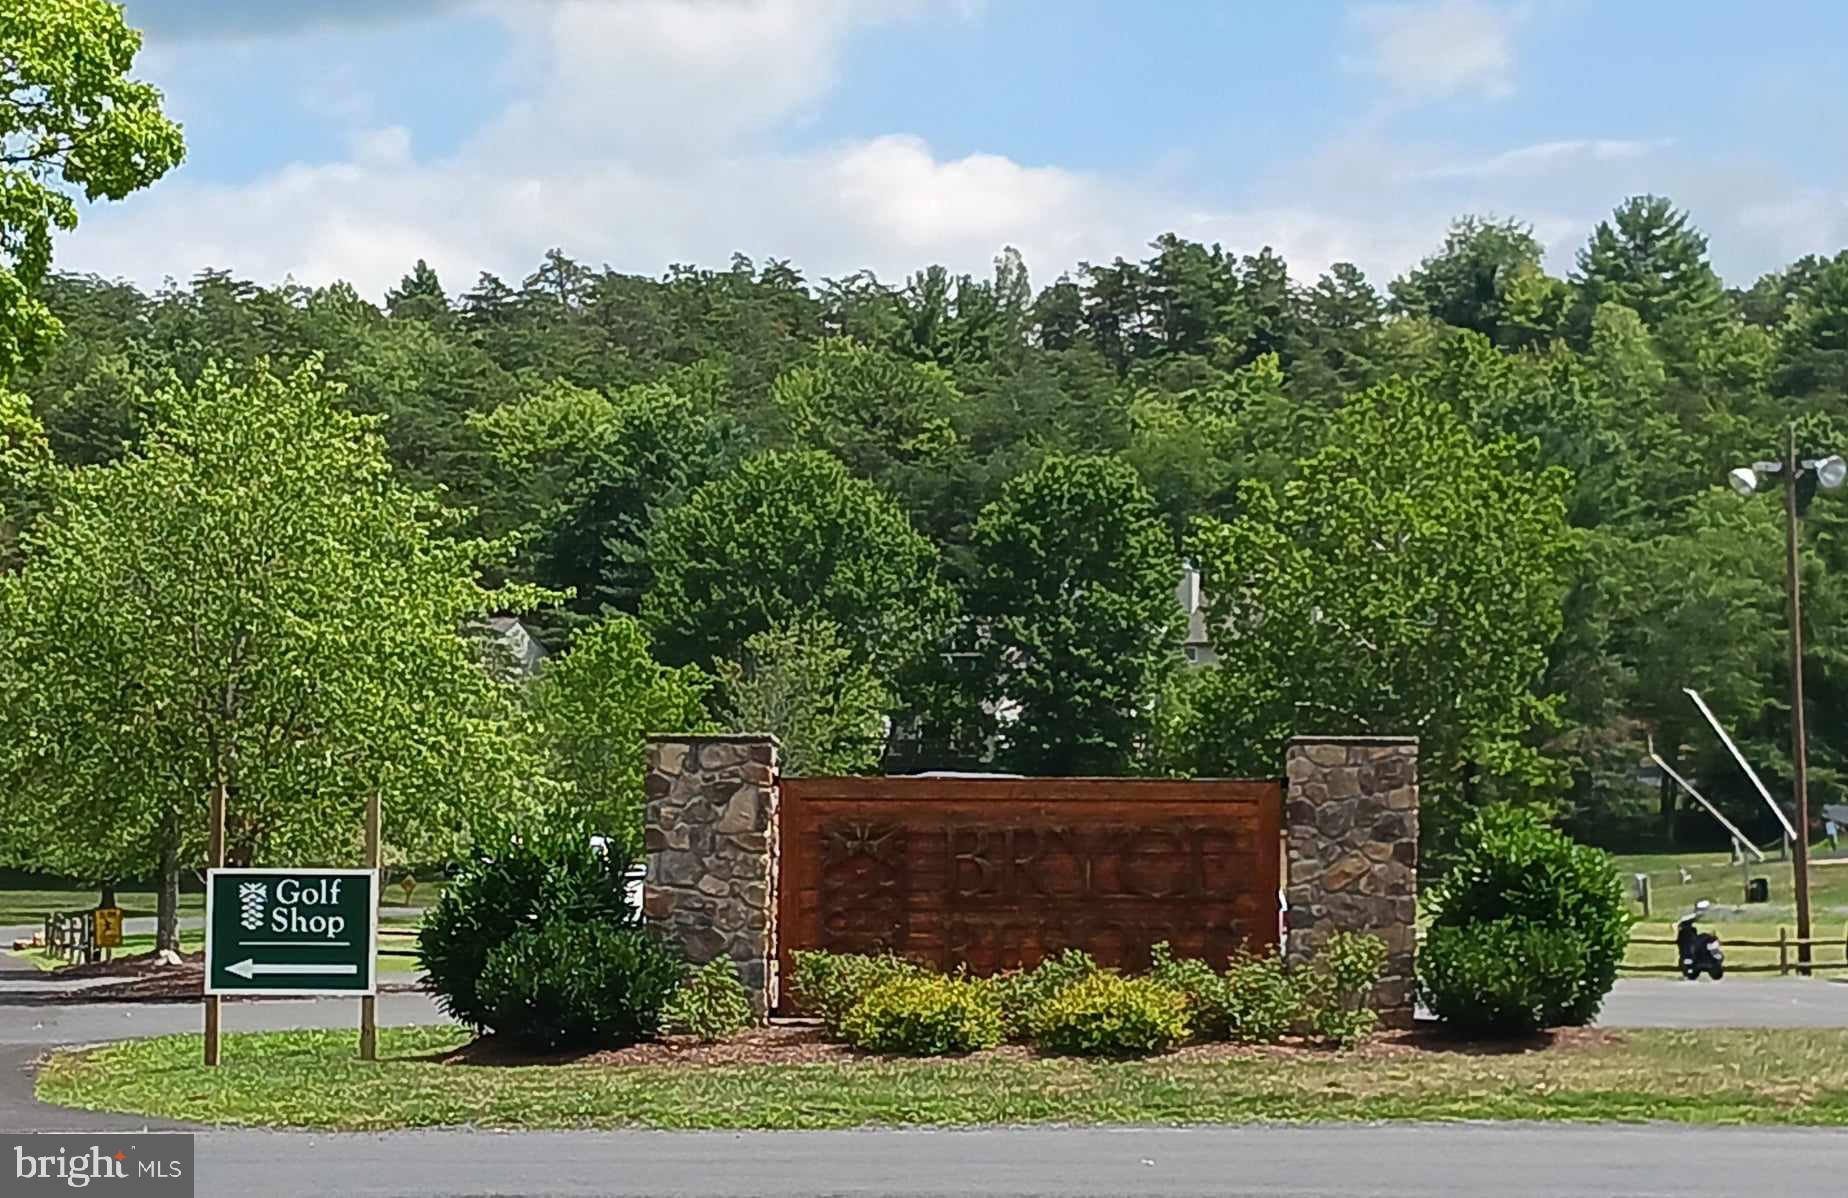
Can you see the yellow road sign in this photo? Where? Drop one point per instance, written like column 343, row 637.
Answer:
column 108, row 927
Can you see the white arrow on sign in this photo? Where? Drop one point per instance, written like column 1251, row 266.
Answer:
column 248, row 969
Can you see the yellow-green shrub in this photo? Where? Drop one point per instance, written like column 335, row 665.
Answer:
column 829, row 985
column 1109, row 1015
column 928, row 1015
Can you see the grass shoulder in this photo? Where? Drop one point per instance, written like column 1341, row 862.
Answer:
column 312, row 1079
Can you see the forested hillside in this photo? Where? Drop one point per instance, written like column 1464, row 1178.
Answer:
column 1478, row 503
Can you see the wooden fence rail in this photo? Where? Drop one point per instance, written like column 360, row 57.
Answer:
column 402, row 933
column 1785, row 944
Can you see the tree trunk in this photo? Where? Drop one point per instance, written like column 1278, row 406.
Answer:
column 109, row 898
column 167, row 910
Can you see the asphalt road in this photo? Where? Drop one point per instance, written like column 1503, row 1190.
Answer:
column 1427, row 1161
column 1336, row 1160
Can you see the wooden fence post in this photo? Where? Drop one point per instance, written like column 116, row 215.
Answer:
column 1783, row 951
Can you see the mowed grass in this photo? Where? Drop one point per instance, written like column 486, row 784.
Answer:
column 1715, row 877
column 192, row 939
column 32, row 906
column 313, row 1079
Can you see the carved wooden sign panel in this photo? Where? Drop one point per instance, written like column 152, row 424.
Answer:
column 998, row 873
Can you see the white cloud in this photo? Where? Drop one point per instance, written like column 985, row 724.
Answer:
column 889, row 204
column 646, row 136
column 1548, row 157
column 1435, row 49
column 651, row 131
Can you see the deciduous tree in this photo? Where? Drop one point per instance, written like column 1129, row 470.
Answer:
column 72, row 122
column 248, row 604
column 1073, row 614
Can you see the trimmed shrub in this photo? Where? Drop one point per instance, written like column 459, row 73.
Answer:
column 926, row 1015
column 1510, row 866
column 1196, row 981
column 1345, row 970
column 1504, row 978
column 509, row 888
column 1021, row 993
column 577, row 985
column 1109, row 1015
column 829, row 985
column 710, row 1003
column 1260, row 1000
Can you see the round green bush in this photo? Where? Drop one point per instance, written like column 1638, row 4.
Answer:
column 508, row 888
column 578, row 985
column 1109, row 1015
column 924, row 1016
column 1510, row 866
column 710, row 1003
column 1504, row 978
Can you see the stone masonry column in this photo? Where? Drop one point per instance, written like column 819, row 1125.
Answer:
column 709, row 831
column 1351, row 824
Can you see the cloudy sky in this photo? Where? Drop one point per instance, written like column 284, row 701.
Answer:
column 346, row 138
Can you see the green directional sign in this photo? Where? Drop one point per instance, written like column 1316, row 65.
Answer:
column 291, row 931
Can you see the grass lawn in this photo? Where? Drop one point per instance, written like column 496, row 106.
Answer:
column 131, row 946
column 1715, row 877
column 313, row 1079
column 32, row 906
column 191, row 939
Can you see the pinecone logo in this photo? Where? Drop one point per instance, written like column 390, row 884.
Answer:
column 251, row 897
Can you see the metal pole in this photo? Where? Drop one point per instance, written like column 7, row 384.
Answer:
column 215, row 859
column 1798, row 738
column 368, row 1004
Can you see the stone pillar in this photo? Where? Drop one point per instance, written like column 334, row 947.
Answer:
column 1351, row 824
column 709, row 830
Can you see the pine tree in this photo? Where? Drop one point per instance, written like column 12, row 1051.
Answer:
column 418, row 296
column 1650, row 260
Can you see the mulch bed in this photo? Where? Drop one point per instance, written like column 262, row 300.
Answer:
column 807, row 1044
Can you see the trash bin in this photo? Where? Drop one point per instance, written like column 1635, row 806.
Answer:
column 1758, row 890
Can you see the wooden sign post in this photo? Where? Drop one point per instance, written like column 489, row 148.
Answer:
column 369, row 1004
column 214, row 859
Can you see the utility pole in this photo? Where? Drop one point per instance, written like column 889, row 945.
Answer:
column 1799, row 753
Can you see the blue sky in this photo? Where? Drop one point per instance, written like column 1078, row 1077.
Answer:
column 345, row 138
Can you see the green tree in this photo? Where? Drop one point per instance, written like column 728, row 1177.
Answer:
column 25, row 464
column 595, row 706
column 419, row 295
column 1074, row 614
column 1468, row 283
column 1812, row 356
column 890, row 421
column 71, row 121
column 825, row 707
column 789, row 536
column 1648, row 258
column 585, row 475
column 247, row 604
column 1407, row 580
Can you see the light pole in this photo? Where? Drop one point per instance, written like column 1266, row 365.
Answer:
column 1800, row 479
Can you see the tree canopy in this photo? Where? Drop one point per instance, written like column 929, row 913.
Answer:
column 71, row 121
column 1483, row 502
column 248, row 602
